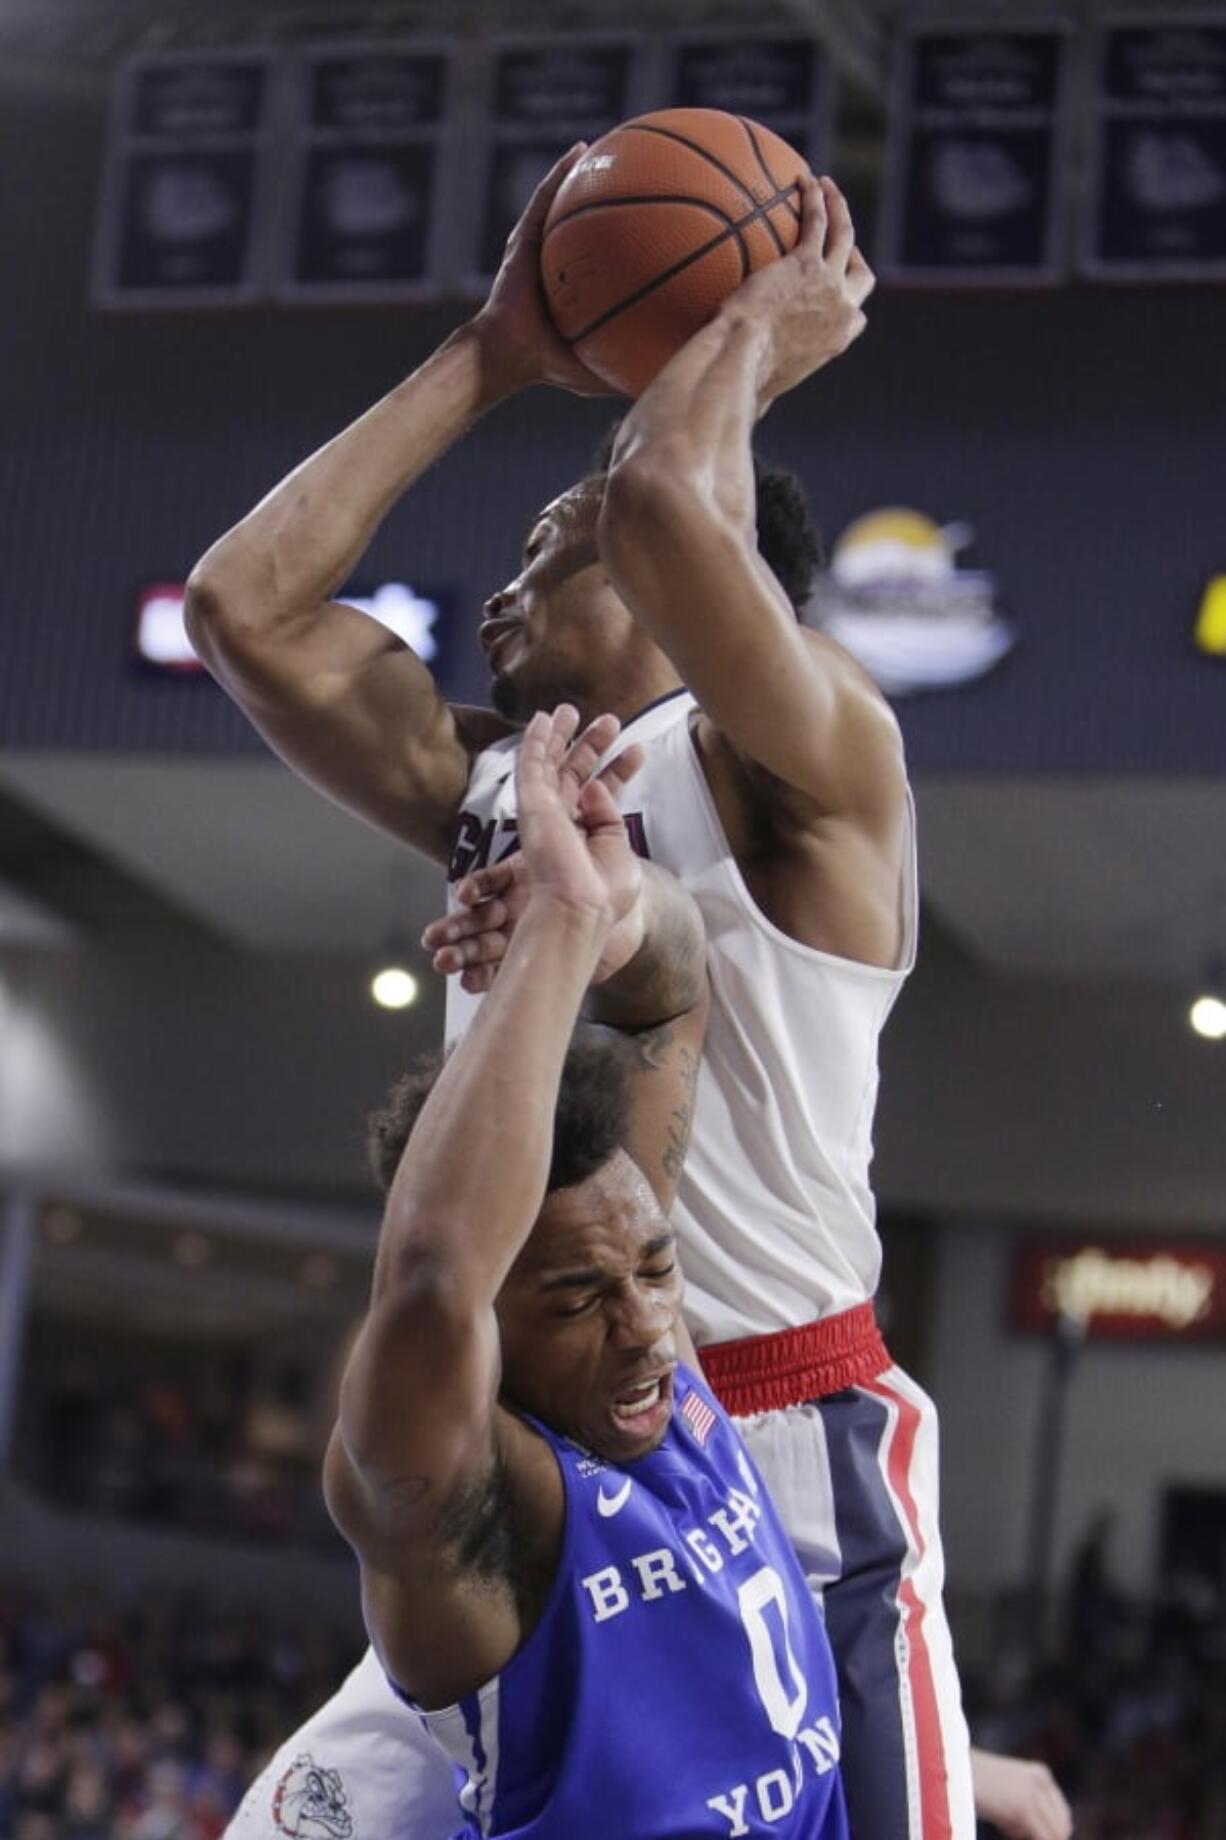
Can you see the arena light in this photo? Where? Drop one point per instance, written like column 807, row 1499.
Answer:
column 161, row 637
column 393, row 987
column 1207, row 1015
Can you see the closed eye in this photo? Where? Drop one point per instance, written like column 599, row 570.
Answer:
column 582, row 1308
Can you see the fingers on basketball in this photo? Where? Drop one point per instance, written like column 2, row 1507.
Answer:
column 542, row 197
column 840, row 233
column 655, row 226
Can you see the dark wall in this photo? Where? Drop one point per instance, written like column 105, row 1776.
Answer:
column 1082, row 433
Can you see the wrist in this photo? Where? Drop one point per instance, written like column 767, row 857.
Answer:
column 747, row 341
column 506, row 364
column 570, row 922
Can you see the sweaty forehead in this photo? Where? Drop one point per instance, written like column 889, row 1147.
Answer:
column 572, row 511
column 604, row 1222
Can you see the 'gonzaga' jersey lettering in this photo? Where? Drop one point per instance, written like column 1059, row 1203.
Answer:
column 679, row 1683
column 774, row 1210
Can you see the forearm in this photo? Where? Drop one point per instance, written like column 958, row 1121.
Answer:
column 666, row 977
column 691, row 428
column 471, row 1181
column 301, row 542
column 464, row 1199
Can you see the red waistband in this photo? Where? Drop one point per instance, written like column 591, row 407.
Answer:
column 763, row 1373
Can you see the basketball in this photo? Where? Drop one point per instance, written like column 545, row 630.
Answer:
column 657, row 224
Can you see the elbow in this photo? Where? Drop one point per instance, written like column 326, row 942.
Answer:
column 650, row 473
column 419, row 1280
column 215, row 612
column 204, row 609
column 231, row 603
column 653, row 490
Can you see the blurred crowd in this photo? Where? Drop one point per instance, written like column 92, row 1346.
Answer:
column 1130, row 1713
column 148, row 1724
column 145, row 1725
column 203, row 1446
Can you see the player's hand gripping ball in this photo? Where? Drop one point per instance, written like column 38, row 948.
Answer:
column 655, row 226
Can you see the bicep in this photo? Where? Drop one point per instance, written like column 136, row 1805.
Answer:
column 354, row 711
column 416, row 1421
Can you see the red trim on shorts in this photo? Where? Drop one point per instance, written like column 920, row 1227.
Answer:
column 935, row 1821
column 764, row 1373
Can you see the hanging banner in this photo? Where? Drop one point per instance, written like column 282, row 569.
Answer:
column 1158, row 155
column 369, row 158
column 185, row 179
column 975, row 169
column 785, row 83
column 1120, row 1289
column 544, row 94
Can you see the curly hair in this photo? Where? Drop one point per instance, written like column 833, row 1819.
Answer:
column 590, row 1121
column 789, row 540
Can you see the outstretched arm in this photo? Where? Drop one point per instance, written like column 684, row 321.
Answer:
column 339, row 698
column 678, row 537
column 649, row 983
column 418, row 1395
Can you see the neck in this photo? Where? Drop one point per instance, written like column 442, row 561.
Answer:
column 628, row 700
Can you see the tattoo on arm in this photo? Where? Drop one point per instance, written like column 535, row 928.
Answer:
column 681, row 1119
column 653, row 1051
column 650, row 1047
column 404, row 1493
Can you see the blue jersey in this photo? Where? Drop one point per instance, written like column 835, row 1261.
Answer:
column 679, row 1683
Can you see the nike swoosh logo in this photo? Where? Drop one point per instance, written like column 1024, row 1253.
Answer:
column 613, row 1504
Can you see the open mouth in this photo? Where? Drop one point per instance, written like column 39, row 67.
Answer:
column 642, row 1409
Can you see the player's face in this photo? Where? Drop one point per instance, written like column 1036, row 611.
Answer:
column 559, row 631
column 588, row 1315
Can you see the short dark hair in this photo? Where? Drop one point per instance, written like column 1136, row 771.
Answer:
column 789, row 540
column 589, row 1124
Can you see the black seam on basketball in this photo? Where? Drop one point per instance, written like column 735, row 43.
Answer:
column 607, row 204
column 648, row 287
column 683, row 140
column 767, row 174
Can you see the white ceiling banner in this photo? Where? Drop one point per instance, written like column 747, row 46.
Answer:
column 1157, row 196
column 185, row 194
column 976, row 162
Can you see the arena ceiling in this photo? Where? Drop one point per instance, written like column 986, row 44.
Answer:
column 62, row 40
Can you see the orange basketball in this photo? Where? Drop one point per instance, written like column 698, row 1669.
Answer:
column 661, row 219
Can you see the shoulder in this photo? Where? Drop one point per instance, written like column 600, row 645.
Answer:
column 863, row 776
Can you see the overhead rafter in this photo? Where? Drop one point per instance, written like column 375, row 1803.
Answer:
column 853, row 34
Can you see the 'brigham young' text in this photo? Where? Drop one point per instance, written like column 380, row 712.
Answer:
column 654, row 1575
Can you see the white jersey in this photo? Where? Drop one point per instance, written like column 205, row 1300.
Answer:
column 774, row 1213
